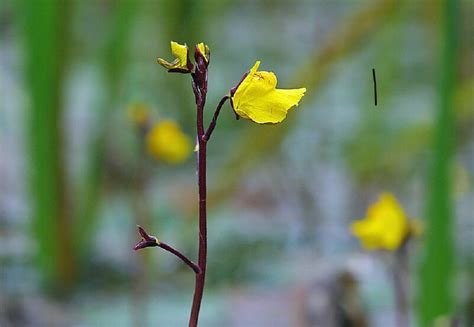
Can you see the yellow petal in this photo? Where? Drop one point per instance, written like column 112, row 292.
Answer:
column 180, row 52
column 271, row 107
column 166, row 142
column 258, row 99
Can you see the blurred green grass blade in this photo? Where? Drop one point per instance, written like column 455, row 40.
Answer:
column 113, row 63
column 435, row 296
column 114, row 55
column 44, row 23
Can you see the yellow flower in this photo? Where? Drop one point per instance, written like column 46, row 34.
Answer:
column 166, row 142
column 204, row 49
column 180, row 52
column 385, row 227
column 258, row 99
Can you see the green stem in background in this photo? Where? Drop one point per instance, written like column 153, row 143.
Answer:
column 113, row 63
column 46, row 29
column 400, row 283
column 435, row 296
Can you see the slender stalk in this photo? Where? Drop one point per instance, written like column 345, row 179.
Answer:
column 199, row 84
column 200, row 91
column 202, row 256
column 213, row 123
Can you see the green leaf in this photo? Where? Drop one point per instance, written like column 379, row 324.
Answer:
column 435, row 296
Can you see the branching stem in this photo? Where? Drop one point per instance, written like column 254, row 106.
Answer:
column 213, row 123
column 185, row 259
column 151, row 241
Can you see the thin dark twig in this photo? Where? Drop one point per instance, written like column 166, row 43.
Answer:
column 213, row 123
column 185, row 259
column 375, row 85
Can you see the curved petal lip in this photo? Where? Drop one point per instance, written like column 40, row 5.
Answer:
column 271, row 107
column 175, row 65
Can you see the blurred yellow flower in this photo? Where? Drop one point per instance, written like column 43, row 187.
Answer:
column 180, row 52
column 258, row 99
column 138, row 113
column 204, row 49
column 166, row 142
column 385, row 227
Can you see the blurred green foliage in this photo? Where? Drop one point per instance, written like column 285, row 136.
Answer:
column 46, row 34
column 436, row 278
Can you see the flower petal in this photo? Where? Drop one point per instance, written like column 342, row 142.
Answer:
column 180, row 51
column 204, row 49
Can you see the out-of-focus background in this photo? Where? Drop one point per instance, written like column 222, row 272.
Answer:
column 76, row 176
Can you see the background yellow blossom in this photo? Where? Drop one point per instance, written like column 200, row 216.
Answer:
column 166, row 142
column 385, row 227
